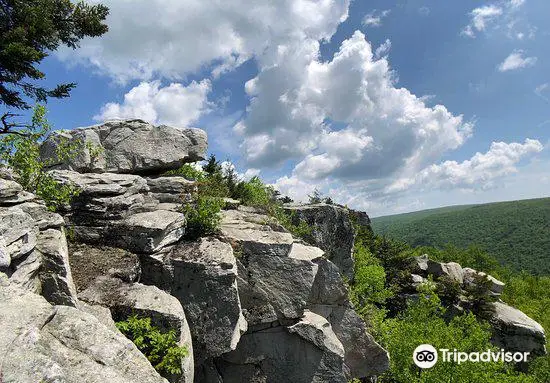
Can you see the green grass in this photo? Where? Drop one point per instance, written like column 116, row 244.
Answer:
column 516, row 233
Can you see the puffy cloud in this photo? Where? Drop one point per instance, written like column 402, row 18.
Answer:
column 383, row 49
column 480, row 18
column 504, row 16
column 516, row 61
column 374, row 18
column 171, row 38
column 174, row 104
column 298, row 103
column 477, row 172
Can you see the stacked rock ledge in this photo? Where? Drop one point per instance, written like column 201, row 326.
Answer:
column 252, row 304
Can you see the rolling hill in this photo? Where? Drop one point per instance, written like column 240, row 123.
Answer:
column 517, row 233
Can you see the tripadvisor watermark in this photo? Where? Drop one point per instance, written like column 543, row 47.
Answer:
column 426, row 356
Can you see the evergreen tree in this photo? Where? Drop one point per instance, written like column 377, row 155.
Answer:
column 29, row 31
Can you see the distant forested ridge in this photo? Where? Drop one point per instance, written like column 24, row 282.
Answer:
column 516, row 233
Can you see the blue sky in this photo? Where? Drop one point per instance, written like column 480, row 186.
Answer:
column 389, row 106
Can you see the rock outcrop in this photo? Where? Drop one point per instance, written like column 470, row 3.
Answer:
column 41, row 342
column 511, row 328
column 515, row 331
column 127, row 147
column 33, row 248
column 332, row 231
column 125, row 299
column 253, row 303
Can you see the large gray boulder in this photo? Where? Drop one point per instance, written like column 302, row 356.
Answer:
column 45, row 343
column 125, row 299
column 131, row 146
column 332, row 231
column 256, row 234
column 515, row 331
column 202, row 276
column 33, row 247
column 275, row 289
column 305, row 352
column 19, row 233
column 471, row 277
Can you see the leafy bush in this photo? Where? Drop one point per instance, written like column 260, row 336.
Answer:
column 21, row 152
column 203, row 216
column 187, row 171
column 255, row 193
column 423, row 323
column 161, row 349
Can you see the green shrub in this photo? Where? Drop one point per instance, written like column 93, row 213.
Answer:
column 290, row 221
column 161, row 349
column 203, row 216
column 21, row 152
column 187, row 171
column 255, row 193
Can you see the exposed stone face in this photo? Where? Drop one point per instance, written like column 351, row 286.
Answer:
column 511, row 328
column 305, row 352
column 125, row 299
column 149, row 232
column 261, row 305
column 282, row 285
column 33, row 248
column 515, row 331
column 202, row 276
column 496, row 287
column 55, row 274
column 41, row 342
column 252, row 233
column 131, row 146
column 332, row 231
column 171, row 189
column 118, row 210
column 19, row 232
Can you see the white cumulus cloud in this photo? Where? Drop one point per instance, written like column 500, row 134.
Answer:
column 149, row 39
column 374, row 18
column 296, row 102
column 516, row 61
column 476, row 173
column 174, row 104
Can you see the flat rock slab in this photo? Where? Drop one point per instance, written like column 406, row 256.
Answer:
column 130, row 146
column 102, row 185
column 515, row 331
column 255, row 234
column 12, row 193
column 149, row 231
column 41, row 342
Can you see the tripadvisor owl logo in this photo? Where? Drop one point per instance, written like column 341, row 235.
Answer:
column 425, row 356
